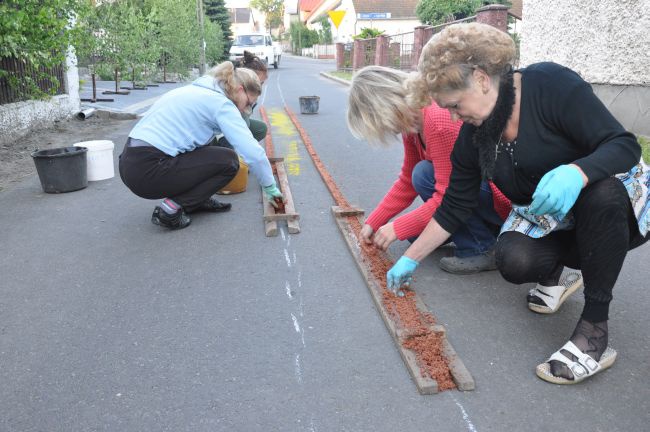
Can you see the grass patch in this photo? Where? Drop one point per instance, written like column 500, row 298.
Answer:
column 342, row 74
column 645, row 147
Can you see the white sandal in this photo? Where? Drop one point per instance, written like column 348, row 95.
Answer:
column 584, row 367
column 554, row 296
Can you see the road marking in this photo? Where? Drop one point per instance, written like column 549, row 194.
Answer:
column 284, row 127
column 468, row 422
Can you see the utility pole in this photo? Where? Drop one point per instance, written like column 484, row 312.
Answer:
column 199, row 11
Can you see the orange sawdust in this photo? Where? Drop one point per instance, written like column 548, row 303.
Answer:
column 415, row 324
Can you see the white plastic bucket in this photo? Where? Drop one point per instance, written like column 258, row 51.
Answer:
column 100, row 159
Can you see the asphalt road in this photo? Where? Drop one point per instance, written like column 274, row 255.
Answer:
column 109, row 323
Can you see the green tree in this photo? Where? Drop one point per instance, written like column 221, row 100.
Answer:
column 178, row 35
column 302, row 37
column 38, row 34
column 435, row 12
column 325, row 34
column 214, row 43
column 273, row 11
column 217, row 12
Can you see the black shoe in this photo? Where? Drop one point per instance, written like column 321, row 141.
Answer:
column 212, row 204
column 179, row 220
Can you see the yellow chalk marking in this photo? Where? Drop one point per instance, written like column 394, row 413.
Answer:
column 282, row 126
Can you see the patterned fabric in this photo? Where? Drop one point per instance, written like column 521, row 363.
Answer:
column 439, row 134
column 636, row 182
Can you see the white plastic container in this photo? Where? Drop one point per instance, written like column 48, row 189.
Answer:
column 100, row 159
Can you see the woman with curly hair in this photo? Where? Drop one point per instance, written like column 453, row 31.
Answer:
column 574, row 175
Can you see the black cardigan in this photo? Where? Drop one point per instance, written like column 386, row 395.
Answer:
column 561, row 121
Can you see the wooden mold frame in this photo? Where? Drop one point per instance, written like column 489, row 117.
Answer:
column 425, row 384
column 290, row 215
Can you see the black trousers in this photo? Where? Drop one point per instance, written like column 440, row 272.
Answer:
column 605, row 231
column 188, row 178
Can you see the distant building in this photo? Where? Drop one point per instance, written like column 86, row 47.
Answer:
column 390, row 16
column 242, row 21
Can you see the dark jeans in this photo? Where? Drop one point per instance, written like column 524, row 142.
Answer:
column 478, row 235
column 188, row 178
column 258, row 129
column 605, row 229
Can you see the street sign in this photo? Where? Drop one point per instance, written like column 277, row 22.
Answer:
column 336, row 17
column 374, row 15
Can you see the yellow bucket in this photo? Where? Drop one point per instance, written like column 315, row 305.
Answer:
column 239, row 182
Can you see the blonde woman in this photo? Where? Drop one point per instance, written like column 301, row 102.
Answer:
column 167, row 156
column 378, row 110
column 555, row 151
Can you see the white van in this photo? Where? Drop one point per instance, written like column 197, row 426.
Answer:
column 259, row 44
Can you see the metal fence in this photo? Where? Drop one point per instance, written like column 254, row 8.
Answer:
column 50, row 81
column 400, row 50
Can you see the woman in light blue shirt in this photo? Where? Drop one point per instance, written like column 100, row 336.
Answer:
column 166, row 155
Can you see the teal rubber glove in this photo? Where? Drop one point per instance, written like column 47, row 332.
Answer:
column 557, row 191
column 401, row 273
column 272, row 192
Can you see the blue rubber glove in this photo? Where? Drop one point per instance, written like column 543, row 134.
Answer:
column 401, row 273
column 272, row 192
column 557, row 191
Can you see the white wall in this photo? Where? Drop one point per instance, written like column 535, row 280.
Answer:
column 18, row 119
column 605, row 41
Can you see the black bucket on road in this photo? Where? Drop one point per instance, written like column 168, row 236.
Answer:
column 61, row 169
column 309, row 104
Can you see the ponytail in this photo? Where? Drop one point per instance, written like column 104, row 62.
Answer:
column 230, row 78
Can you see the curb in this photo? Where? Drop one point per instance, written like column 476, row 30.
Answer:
column 337, row 79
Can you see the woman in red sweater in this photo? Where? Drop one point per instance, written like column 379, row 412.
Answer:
column 378, row 110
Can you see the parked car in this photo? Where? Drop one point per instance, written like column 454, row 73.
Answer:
column 259, row 44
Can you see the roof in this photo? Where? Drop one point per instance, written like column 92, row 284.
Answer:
column 240, row 15
column 308, row 5
column 397, row 8
column 516, row 8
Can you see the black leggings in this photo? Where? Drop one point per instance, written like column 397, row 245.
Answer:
column 605, row 230
column 188, row 178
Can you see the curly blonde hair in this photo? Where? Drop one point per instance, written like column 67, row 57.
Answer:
column 377, row 106
column 229, row 78
column 450, row 57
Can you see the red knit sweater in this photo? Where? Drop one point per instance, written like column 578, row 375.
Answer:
column 439, row 133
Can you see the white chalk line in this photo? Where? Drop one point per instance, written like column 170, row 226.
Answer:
column 468, row 422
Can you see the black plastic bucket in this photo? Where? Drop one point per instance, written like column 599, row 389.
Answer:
column 309, row 104
column 62, row 169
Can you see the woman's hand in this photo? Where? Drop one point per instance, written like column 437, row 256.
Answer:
column 366, row 233
column 558, row 190
column 401, row 273
column 272, row 193
column 385, row 236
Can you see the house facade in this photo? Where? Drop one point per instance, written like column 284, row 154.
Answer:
column 391, row 17
column 605, row 41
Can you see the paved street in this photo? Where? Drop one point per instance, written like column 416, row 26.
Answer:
column 109, row 323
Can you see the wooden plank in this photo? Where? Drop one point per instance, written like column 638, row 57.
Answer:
column 424, row 384
column 289, row 206
column 270, row 226
column 281, row 216
column 347, row 211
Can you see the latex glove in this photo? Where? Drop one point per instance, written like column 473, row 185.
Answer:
column 366, row 233
column 273, row 192
column 401, row 273
column 385, row 236
column 557, row 191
